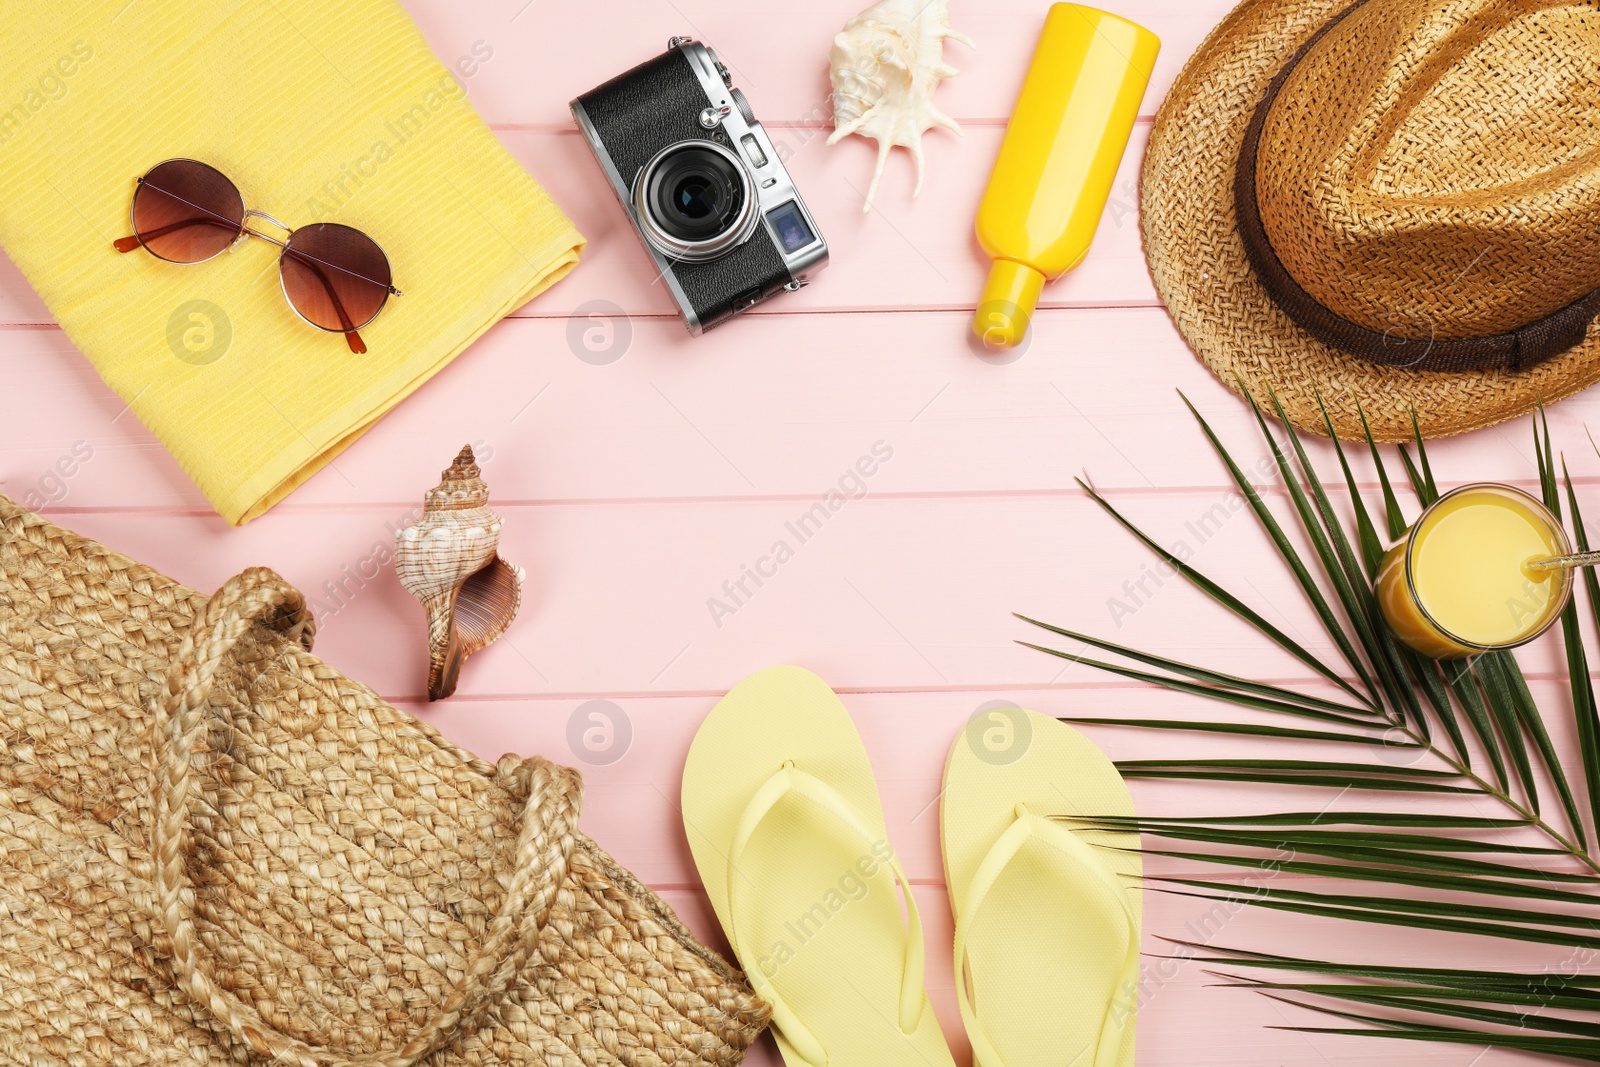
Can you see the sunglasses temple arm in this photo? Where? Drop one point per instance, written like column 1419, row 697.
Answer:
column 128, row 244
column 357, row 345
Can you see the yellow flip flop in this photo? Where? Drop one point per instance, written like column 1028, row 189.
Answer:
column 784, row 820
column 1047, row 920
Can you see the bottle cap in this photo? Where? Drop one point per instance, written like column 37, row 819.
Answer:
column 1006, row 307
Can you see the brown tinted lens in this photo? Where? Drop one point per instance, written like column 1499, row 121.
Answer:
column 185, row 211
column 335, row 276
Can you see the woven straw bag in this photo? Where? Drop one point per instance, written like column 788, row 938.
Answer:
column 215, row 849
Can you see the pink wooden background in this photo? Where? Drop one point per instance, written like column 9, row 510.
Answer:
column 639, row 470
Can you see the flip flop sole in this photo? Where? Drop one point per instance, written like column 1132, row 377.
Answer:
column 820, row 915
column 1048, row 952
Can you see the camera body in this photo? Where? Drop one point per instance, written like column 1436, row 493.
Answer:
column 702, row 184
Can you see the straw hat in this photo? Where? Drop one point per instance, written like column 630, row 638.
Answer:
column 1391, row 202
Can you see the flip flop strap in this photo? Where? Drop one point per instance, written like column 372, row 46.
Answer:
column 1025, row 828
column 787, row 781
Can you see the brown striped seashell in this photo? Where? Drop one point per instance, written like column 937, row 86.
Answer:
column 450, row 561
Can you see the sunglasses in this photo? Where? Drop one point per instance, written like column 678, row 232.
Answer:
column 335, row 277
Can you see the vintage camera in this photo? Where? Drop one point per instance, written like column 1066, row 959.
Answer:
column 702, row 183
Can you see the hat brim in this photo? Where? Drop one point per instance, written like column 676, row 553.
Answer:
column 1203, row 274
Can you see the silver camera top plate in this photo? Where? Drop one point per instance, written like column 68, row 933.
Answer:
column 757, row 153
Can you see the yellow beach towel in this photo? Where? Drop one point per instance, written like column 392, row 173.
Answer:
column 318, row 110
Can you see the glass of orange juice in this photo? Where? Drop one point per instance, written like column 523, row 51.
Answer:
column 1476, row 573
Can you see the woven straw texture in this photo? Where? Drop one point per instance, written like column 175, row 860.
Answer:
column 1406, row 183
column 214, row 848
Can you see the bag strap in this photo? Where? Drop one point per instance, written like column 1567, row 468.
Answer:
column 544, row 843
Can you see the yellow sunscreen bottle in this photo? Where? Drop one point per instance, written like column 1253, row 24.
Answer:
column 1058, row 160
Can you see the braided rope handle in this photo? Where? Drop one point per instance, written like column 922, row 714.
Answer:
column 544, row 843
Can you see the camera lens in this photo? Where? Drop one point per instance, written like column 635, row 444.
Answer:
column 695, row 200
column 696, row 193
column 695, row 196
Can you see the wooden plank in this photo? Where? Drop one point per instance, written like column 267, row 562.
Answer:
column 631, row 749
column 522, row 60
column 908, row 253
column 645, row 597
column 906, row 735
column 745, row 412
column 1184, row 1017
column 634, row 488
column 911, row 593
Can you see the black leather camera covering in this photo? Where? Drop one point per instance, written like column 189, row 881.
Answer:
column 641, row 112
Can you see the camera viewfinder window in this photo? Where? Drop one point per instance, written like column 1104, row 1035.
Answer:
column 790, row 226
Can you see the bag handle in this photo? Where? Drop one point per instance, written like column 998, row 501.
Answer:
column 544, row 843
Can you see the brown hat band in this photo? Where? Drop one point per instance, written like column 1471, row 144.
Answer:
column 1514, row 351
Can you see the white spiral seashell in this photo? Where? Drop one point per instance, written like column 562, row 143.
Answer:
column 884, row 67
column 450, row 561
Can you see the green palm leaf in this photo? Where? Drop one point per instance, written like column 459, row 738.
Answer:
column 1412, row 997
column 1314, row 818
column 1371, row 547
column 1425, row 914
column 1223, row 597
column 1425, row 673
column 1464, row 684
column 1548, row 981
column 1189, row 670
column 1584, row 711
column 1391, row 505
column 1280, row 540
column 1515, row 874
column 1283, row 835
column 1346, row 574
column 1578, row 1048
column 1497, row 694
column 1245, row 697
column 1409, row 875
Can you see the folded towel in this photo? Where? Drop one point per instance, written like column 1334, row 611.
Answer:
column 319, row 110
